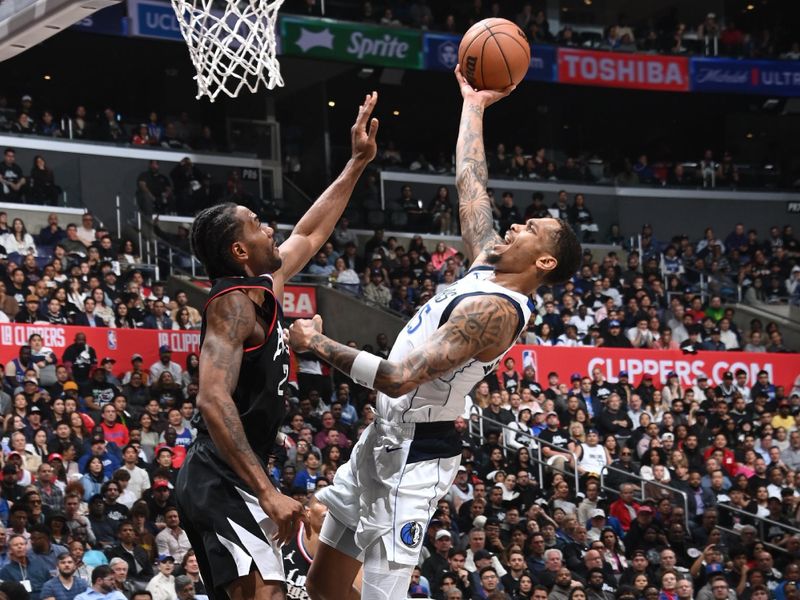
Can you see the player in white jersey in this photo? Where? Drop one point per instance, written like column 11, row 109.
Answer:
column 406, row 460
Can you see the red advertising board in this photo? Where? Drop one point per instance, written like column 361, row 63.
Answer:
column 783, row 369
column 298, row 302
column 620, row 70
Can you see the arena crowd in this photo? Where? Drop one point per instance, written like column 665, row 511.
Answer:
column 91, row 447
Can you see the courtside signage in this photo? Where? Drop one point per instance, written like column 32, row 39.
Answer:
column 768, row 77
column 351, row 42
column 153, row 20
column 618, row 70
column 441, row 54
column 783, row 369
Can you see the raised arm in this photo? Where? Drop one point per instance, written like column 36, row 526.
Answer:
column 317, row 225
column 479, row 325
column 231, row 321
column 472, row 174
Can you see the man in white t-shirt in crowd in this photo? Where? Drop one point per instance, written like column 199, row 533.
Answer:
column 461, row 491
column 640, row 336
column 86, row 232
column 592, row 457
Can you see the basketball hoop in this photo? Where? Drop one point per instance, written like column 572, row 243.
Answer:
column 232, row 44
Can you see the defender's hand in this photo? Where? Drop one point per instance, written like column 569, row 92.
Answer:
column 483, row 97
column 301, row 332
column 364, row 145
column 285, row 512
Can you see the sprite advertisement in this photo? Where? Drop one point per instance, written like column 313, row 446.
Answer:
column 351, row 42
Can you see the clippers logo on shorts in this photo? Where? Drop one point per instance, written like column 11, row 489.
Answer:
column 411, row 534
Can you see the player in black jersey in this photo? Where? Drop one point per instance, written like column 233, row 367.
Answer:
column 235, row 518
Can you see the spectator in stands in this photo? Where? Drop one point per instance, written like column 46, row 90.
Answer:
column 18, row 240
column 159, row 319
column 41, row 185
column 153, row 190
column 21, row 568
column 139, row 566
column 110, row 129
column 103, row 586
column 86, row 232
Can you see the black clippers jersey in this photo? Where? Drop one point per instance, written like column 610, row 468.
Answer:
column 259, row 393
column 296, row 563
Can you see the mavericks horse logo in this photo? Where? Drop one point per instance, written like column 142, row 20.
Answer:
column 411, row 534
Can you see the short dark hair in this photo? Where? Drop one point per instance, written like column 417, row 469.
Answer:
column 213, row 231
column 567, row 251
column 100, row 572
column 141, row 593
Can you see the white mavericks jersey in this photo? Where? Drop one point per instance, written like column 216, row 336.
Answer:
column 443, row 399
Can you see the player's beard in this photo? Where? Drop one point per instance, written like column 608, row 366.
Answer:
column 493, row 257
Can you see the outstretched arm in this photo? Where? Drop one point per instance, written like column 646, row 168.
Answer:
column 231, row 321
column 478, row 325
column 472, row 174
column 316, row 226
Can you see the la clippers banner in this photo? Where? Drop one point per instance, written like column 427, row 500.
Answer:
column 768, row 77
column 783, row 369
column 299, row 301
column 619, row 70
column 119, row 344
column 441, row 54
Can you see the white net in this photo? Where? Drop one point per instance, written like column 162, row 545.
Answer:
column 232, row 44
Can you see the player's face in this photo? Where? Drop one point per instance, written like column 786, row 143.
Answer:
column 526, row 246
column 257, row 241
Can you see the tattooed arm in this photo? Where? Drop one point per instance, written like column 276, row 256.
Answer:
column 479, row 327
column 472, row 174
column 232, row 322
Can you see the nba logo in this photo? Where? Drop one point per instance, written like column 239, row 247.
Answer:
column 529, row 359
column 112, row 339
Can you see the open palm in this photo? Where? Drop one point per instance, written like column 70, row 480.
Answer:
column 363, row 140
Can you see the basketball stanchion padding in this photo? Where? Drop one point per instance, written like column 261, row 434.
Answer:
column 232, row 44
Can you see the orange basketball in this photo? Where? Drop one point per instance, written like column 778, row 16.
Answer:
column 494, row 54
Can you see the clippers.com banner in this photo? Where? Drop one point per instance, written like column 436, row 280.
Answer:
column 783, row 369
column 299, row 301
column 615, row 69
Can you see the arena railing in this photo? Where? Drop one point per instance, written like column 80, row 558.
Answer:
column 643, row 483
column 761, row 523
column 475, row 414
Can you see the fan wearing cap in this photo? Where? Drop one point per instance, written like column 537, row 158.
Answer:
column 592, row 457
column 162, row 585
column 437, row 564
column 554, row 435
column 165, row 363
column 376, row 290
column 30, row 312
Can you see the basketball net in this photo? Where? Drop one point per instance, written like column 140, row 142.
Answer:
column 231, row 47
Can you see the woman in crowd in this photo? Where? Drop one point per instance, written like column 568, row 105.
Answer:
column 42, row 184
column 122, row 317
column 192, row 372
column 18, row 240
column 102, row 308
column 182, row 320
column 149, row 435
column 93, row 477
column 613, row 552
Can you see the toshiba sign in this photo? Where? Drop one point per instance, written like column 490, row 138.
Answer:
column 613, row 69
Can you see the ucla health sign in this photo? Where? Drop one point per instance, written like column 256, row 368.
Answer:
column 768, row 77
column 441, row 54
column 153, row 20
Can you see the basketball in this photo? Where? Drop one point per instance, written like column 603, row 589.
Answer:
column 494, row 54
